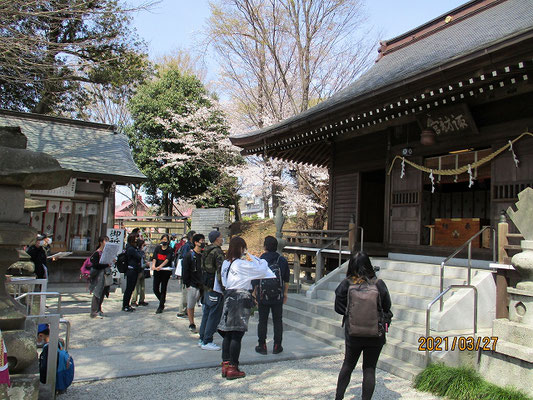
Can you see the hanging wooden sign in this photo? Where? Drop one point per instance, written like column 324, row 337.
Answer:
column 451, row 120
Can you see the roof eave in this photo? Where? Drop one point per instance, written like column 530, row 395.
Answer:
column 257, row 138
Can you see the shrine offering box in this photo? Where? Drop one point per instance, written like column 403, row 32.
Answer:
column 453, row 232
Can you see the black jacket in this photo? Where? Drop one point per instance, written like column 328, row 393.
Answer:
column 192, row 269
column 134, row 257
column 38, row 256
column 95, row 261
column 341, row 302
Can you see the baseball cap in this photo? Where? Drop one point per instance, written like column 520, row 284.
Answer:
column 42, row 327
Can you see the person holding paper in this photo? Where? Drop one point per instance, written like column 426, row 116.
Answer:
column 100, row 279
column 162, row 267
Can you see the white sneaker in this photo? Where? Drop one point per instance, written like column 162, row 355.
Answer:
column 210, row 346
column 200, row 343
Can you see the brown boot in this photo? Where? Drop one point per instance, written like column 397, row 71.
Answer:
column 233, row 372
column 225, row 365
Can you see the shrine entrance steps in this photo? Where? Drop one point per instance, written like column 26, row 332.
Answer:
column 412, row 287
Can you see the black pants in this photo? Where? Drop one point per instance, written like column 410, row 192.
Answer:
column 131, row 281
column 351, row 356
column 160, row 286
column 231, row 346
column 277, row 315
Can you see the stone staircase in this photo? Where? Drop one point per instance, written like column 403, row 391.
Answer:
column 411, row 285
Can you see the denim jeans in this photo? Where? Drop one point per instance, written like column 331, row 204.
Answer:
column 211, row 312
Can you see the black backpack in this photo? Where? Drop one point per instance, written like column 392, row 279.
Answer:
column 122, row 263
column 271, row 289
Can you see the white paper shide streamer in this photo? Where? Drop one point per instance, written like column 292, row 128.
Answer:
column 515, row 158
column 471, row 176
column 402, row 173
column 432, row 179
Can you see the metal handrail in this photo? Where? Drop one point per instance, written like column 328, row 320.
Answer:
column 458, row 250
column 340, row 237
column 42, row 305
column 439, row 297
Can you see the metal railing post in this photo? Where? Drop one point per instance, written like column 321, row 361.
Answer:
column 441, row 286
column 469, row 277
column 340, row 251
column 362, row 237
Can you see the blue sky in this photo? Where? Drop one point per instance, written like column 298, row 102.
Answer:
column 174, row 24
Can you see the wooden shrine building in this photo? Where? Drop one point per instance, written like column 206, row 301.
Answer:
column 440, row 100
column 76, row 214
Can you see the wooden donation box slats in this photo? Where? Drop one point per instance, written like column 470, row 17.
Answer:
column 453, row 232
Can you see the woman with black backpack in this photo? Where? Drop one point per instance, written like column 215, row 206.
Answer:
column 365, row 303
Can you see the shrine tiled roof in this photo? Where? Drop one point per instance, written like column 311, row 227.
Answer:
column 91, row 150
column 488, row 26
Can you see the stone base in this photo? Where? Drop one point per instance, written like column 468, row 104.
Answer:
column 24, row 387
column 521, row 306
column 503, row 370
column 512, row 361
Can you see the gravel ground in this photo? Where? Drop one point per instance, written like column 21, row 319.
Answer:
column 305, row 379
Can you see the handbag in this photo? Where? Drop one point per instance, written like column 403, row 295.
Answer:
column 108, row 277
column 147, row 274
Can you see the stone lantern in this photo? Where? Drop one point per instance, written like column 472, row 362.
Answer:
column 521, row 306
column 20, row 169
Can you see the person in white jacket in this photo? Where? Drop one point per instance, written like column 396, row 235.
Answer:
column 237, row 273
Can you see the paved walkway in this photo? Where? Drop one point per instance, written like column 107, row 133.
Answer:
column 157, row 357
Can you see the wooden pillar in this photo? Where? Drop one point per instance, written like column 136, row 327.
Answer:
column 319, row 266
column 352, row 234
column 502, row 299
column 296, row 271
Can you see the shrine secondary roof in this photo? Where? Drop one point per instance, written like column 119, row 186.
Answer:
column 91, row 150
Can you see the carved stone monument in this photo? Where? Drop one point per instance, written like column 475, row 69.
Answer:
column 20, row 169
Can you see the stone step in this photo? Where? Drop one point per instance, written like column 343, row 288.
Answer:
column 400, row 329
column 410, row 300
column 406, row 352
column 397, row 367
column 313, row 321
column 405, row 331
column 417, row 278
column 327, row 338
column 422, row 268
column 513, row 332
column 387, row 363
column 411, row 315
column 316, row 306
column 429, row 292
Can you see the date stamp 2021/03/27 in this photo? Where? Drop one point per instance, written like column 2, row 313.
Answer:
column 462, row 343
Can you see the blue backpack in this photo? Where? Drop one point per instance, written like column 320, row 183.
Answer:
column 65, row 368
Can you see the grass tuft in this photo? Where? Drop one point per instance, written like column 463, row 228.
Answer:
column 462, row 383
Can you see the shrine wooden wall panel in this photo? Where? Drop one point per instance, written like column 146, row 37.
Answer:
column 509, row 180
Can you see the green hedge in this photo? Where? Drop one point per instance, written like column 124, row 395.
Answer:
column 462, row 384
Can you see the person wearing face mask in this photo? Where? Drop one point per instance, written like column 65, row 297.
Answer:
column 192, row 276
column 212, row 259
column 37, row 254
column 162, row 267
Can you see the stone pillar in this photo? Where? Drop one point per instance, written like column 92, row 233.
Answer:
column 20, row 169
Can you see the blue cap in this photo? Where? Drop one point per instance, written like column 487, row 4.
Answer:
column 42, row 327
